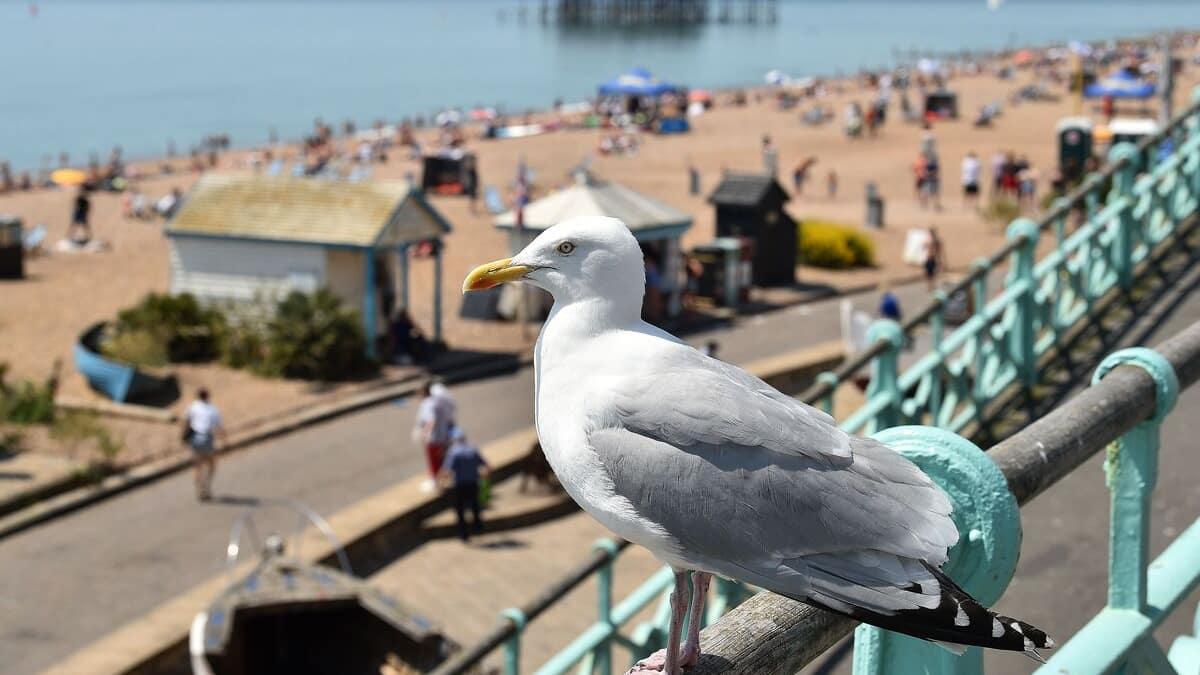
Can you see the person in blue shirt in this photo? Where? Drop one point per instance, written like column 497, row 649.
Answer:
column 889, row 305
column 462, row 468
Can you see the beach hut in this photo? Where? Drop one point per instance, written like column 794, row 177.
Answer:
column 752, row 205
column 657, row 226
column 244, row 237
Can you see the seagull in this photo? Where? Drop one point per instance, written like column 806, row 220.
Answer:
column 716, row 472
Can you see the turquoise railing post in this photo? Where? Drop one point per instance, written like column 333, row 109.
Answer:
column 831, row 379
column 512, row 646
column 604, row 587
column 1131, row 470
column 937, row 331
column 1022, row 335
column 1126, row 221
column 982, row 562
column 885, row 378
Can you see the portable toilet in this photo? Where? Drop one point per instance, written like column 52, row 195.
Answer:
column 1074, row 146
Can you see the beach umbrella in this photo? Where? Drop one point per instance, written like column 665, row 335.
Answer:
column 637, row 82
column 776, row 77
column 699, row 96
column 1121, row 84
column 1022, row 57
column 68, row 177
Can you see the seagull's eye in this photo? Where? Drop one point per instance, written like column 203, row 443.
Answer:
column 565, row 248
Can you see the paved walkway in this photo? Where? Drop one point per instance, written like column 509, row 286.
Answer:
column 85, row 574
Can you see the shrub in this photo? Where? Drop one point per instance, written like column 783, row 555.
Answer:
column 25, row 402
column 141, row 347
column 183, row 329
column 312, row 336
column 1001, row 211
column 242, row 341
column 834, row 246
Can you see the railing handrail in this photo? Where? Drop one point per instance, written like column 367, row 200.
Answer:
column 1062, row 208
column 771, row 634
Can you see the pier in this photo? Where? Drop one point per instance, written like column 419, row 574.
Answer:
column 656, row 12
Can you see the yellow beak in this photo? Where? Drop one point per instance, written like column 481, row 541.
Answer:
column 493, row 274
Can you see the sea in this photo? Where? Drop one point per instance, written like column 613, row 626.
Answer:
column 81, row 77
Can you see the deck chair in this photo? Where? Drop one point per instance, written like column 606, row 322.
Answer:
column 32, row 240
column 491, row 199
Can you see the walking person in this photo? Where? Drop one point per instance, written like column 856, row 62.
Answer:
column 435, row 417
column 934, row 259
column 80, row 231
column 462, row 470
column 202, row 424
column 971, row 170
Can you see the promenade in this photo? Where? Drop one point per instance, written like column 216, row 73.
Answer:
column 93, row 571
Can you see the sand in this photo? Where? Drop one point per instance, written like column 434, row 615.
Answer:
column 41, row 316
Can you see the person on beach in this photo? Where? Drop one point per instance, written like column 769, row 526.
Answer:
column 80, row 231
column 435, row 417
column 997, row 162
column 770, row 156
column 462, row 471
column 831, row 185
column 971, row 169
column 201, row 427
column 934, row 259
column 800, row 174
column 889, row 304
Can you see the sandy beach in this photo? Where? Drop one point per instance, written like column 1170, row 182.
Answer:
column 63, row 293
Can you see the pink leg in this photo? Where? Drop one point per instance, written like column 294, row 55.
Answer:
column 691, row 646
column 667, row 661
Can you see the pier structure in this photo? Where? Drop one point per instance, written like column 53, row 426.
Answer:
column 656, row 12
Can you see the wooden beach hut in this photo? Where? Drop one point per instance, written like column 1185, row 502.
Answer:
column 243, row 237
column 751, row 205
column 658, row 227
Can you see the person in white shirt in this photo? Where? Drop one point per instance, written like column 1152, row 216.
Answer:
column 971, row 170
column 202, row 424
column 431, row 430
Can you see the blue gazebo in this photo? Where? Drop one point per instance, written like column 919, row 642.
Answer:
column 637, row 82
column 1121, row 84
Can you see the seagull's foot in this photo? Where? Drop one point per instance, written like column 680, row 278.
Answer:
column 655, row 664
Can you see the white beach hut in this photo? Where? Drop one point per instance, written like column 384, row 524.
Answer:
column 657, row 226
column 243, row 237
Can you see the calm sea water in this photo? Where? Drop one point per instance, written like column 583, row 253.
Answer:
column 83, row 76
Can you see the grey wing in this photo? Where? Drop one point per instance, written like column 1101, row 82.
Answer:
column 736, row 407
column 855, row 532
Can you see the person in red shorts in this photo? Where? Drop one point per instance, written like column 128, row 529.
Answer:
column 435, row 418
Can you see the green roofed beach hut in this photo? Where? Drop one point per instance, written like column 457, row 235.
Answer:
column 244, row 236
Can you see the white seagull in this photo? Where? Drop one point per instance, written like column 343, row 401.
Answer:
column 716, row 472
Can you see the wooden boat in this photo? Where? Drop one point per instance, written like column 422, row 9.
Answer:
column 288, row 616
column 119, row 381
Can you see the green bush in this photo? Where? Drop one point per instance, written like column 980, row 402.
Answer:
column 312, row 336
column 25, row 402
column 834, row 246
column 141, row 347
column 183, row 329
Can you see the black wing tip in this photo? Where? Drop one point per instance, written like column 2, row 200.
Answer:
column 945, row 622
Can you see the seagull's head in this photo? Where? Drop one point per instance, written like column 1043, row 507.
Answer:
column 576, row 260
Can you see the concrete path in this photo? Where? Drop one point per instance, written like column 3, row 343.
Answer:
column 79, row 577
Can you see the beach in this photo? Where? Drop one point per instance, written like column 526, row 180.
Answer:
column 41, row 316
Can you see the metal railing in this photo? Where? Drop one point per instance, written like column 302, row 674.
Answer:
column 1135, row 202
column 1133, row 390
